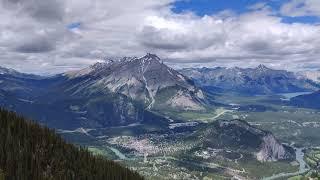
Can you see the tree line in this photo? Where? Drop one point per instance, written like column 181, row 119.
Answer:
column 31, row 151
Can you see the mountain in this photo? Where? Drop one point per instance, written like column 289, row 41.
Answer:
column 7, row 71
column 113, row 93
column 146, row 80
column 29, row 151
column 20, row 84
column 59, row 109
column 239, row 136
column 307, row 101
column 259, row 80
column 311, row 75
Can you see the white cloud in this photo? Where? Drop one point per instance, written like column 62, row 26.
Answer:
column 296, row 8
column 34, row 35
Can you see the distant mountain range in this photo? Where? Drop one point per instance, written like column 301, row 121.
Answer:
column 129, row 90
column 260, row 80
column 114, row 93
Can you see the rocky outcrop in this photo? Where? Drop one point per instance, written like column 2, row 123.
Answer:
column 272, row 150
column 238, row 135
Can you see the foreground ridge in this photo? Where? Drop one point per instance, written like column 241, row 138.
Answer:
column 29, row 151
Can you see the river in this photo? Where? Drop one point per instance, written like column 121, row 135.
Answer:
column 120, row 155
column 302, row 167
column 288, row 96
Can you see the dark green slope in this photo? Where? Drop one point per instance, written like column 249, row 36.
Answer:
column 29, row 151
column 307, row 101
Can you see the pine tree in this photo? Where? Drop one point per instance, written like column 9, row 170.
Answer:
column 1, row 175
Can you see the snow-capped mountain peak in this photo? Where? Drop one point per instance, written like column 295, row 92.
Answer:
column 7, row 71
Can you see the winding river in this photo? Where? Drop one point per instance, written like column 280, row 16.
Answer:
column 120, row 155
column 302, row 167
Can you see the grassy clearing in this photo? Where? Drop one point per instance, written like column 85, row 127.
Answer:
column 260, row 170
column 202, row 116
column 103, row 152
column 312, row 175
column 296, row 178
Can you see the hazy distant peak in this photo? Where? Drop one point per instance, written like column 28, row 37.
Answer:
column 4, row 70
column 262, row 67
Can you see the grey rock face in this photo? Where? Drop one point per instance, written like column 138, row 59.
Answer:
column 141, row 79
column 272, row 150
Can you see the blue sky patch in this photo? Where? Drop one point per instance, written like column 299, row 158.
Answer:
column 209, row 7
column 302, row 19
column 74, row 25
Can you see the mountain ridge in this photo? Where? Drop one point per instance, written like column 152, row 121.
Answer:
column 259, row 80
column 115, row 93
column 142, row 79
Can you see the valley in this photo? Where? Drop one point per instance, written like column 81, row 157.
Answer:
column 165, row 151
column 160, row 89
column 160, row 123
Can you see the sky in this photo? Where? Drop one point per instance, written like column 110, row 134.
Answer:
column 54, row 36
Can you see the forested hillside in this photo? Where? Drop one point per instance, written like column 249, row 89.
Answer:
column 30, row 151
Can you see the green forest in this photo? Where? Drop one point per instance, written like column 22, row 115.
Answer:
column 30, row 151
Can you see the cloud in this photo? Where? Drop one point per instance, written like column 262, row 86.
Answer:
column 296, row 8
column 51, row 36
column 35, row 45
column 43, row 10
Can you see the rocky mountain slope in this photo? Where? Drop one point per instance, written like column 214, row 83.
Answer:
column 238, row 135
column 20, row 84
column 145, row 79
column 48, row 101
column 260, row 80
